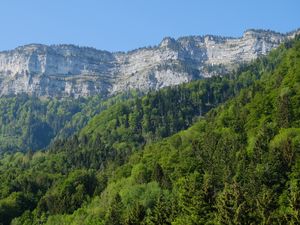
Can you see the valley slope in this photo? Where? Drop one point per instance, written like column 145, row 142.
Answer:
column 237, row 164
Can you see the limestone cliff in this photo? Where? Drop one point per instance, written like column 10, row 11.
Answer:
column 68, row 70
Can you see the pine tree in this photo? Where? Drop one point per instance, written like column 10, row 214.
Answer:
column 114, row 214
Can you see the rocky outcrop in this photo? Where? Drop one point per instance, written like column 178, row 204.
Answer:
column 68, row 70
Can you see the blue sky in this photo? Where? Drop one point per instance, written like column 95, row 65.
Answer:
column 127, row 24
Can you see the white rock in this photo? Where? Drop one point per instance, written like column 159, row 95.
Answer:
column 68, row 70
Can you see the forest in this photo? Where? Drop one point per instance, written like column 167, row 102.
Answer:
column 221, row 150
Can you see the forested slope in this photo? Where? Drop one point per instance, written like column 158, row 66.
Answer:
column 238, row 164
column 32, row 123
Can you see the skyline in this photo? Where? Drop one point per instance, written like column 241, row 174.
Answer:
column 145, row 46
column 124, row 26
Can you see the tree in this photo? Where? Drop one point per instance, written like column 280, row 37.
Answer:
column 114, row 214
column 159, row 176
column 161, row 214
column 136, row 214
column 231, row 206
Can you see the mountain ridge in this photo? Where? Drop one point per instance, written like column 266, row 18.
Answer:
column 289, row 33
column 70, row 71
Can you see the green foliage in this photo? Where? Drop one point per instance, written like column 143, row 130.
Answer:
column 238, row 163
column 114, row 213
column 67, row 196
column 28, row 122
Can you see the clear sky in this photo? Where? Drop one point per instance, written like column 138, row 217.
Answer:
column 127, row 24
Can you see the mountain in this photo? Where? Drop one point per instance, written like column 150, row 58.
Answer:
column 29, row 122
column 239, row 163
column 68, row 70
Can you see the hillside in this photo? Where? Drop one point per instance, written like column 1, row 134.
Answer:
column 32, row 123
column 237, row 164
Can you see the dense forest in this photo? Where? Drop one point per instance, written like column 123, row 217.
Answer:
column 223, row 150
column 32, row 123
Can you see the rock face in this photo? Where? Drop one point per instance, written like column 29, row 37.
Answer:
column 67, row 70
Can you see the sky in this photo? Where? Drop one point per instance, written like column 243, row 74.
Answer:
column 122, row 25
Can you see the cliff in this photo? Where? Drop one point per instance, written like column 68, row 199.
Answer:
column 68, row 70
